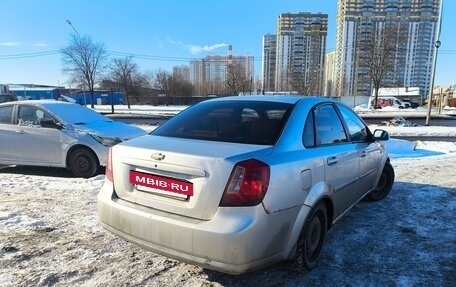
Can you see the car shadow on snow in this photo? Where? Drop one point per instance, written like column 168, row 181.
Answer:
column 407, row 239
column 40, row 171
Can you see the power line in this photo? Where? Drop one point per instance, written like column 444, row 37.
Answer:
column 29, row 55
column 142, row 56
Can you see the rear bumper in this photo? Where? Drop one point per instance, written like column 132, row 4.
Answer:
column 235, row 240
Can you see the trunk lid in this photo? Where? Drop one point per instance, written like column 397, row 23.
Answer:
column 180, row 176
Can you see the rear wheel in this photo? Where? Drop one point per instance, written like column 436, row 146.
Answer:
column 312, row 239
column 384, row 184
column 83, row 163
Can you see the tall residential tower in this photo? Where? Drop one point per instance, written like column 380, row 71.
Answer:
column 294, row 58
column 415, row 22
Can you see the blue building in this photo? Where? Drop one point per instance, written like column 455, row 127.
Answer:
column 35, row 93
column 99, row 98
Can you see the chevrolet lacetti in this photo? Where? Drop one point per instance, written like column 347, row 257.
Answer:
column 238, row 183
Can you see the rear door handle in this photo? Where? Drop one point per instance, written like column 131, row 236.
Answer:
column 363, row 153
column 332, row 160
column 20, row 131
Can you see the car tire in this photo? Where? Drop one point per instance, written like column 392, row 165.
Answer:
column 384, row 185
column 83, row 163
column 312, row 238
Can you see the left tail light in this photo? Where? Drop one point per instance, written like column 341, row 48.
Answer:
column 108, row 172
column 247, row 185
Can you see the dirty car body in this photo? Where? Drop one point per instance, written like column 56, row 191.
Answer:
column 238, row 183
column 58, row 134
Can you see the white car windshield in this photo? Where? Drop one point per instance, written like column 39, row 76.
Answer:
column 74, row 113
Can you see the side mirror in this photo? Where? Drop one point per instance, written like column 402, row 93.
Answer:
column 50, row 124
column 381, row 135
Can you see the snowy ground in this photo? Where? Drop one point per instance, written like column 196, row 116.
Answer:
column 50, row 235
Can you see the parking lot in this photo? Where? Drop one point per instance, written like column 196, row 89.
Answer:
column 50, row 236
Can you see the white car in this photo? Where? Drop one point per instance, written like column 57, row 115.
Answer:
column 237, row 183
column 58, row 134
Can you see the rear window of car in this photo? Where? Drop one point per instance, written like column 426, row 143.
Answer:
column 249, row 122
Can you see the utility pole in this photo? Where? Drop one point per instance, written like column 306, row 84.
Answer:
column 434, row 61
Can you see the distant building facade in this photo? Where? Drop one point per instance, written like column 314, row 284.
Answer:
column 330, row 75
column 212, row 70
column 296, row 52
column 99, row 97
column 269, row 62
column 182, row 72
column 4, row 89
column 29, row 92
column 416, row 21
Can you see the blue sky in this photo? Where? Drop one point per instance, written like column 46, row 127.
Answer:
column 168, row 32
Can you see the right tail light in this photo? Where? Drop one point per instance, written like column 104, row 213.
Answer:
column 247, row 184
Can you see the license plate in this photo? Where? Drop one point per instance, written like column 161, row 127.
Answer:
column 161, row 183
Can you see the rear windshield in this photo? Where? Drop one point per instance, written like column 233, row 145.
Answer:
column 249, row 122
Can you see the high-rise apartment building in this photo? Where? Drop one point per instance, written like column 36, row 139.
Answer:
column 269, row 62
column 299, row 58
column 416, row 23
column 182, row 72
column 211, row 72
column 330, row 75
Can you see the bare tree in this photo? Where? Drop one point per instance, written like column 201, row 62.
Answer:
column 215, row 87
column 172, row 86
column 83, row 60
column 125, row 72
column 377, row 52
column 303, row 84
column 237, row 81
column 163, row 83
column 181, row 87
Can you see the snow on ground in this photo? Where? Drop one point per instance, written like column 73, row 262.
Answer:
column 159, row 111
column 50, row 235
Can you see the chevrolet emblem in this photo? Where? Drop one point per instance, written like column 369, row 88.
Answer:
column 158, row 156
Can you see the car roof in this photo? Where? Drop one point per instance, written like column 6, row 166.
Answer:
column 35, row 102
column 293, row 99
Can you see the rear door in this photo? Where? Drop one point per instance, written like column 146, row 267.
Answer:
column 340, row 157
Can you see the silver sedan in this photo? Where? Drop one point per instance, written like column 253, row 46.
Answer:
column 58, row 134
column 238, row 183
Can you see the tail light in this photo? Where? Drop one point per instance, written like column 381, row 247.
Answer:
column 108, row 172
column 247, row 185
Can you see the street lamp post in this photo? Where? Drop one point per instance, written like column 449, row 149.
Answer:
column 71, row 25
column 434, row 62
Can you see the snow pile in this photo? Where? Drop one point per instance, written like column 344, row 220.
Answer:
column 399, row 121
column 157, row 111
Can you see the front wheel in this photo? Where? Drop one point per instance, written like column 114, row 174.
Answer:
column 312, row 238
column 83, row 163
column 384, row 185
